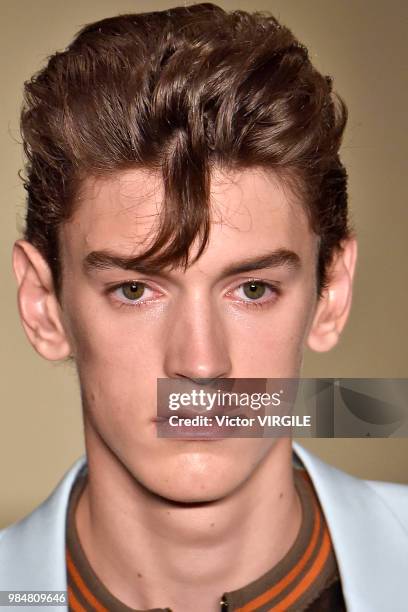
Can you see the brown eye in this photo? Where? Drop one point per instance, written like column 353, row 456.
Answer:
column 254, row 290
column 133, row 291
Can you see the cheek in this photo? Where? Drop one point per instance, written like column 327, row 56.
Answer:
column 271, row 344
column 108, row 337
column 116, row 362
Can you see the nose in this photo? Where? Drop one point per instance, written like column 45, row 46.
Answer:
column 197, row 346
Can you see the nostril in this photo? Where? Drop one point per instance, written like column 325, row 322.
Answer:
column 203, row 381
column 222, row 383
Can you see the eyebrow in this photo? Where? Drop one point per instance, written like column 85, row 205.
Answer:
column 273, row 259
column 107, row 260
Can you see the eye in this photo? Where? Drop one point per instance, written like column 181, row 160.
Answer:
column 256, row 293
column 132, row 290
column 133, row 293
column 254, row 290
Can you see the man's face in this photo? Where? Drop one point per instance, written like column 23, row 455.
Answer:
column 206, row 322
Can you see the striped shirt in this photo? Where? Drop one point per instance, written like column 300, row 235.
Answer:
column 307, row 578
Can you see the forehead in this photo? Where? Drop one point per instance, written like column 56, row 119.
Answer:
column 250, row 211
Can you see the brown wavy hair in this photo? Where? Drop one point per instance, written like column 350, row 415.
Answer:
column 182, row 91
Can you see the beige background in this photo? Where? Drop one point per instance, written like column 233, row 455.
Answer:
column 362, row 44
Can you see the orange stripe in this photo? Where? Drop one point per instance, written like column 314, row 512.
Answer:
column 82, row 586
column 290, row 576
column 310, row 577
column 73, row 603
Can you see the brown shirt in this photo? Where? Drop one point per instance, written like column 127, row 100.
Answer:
column 307, row 578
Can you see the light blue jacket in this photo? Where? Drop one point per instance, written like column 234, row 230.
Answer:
column 368, row 522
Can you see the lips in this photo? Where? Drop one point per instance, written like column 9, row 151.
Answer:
column 179, row 387
column 165, row 413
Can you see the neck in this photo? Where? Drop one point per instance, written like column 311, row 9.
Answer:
column 151, row 552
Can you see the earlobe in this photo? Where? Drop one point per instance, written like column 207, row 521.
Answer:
column 334, row 305
column 38, row 305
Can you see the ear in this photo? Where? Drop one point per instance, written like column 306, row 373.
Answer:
column 334, row 305
column 38, row 305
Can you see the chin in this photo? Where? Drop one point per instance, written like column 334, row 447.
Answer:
column 198, row 472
